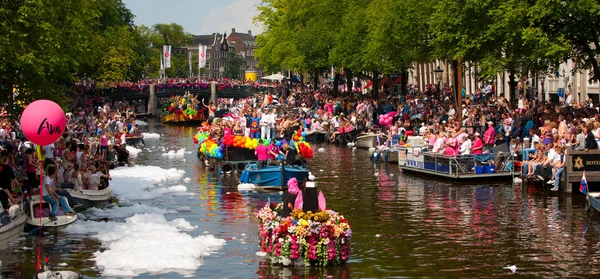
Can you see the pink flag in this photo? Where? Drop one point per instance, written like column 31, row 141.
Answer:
column 322, row 204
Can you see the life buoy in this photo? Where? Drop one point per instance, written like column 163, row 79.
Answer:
column 227, row 168
column 239, row 167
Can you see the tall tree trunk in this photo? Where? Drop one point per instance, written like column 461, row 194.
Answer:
column 349, row 77
column 336, row 82
column 375, row 86
column 512, row 86
column 403, row 82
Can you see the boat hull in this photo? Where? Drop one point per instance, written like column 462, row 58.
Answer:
column 33, row 217
column 271, row 176
column 593, row 202
column 315, row 137
column 12, row 230
column 366, row 141
column 91, row 198
column 181, row 119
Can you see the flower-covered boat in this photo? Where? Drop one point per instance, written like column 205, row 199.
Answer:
column 321, row 238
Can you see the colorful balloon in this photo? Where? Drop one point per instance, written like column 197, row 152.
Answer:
column 43, row 122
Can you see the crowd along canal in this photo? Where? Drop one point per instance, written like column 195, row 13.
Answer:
column 403, row 226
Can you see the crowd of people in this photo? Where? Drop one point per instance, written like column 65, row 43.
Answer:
column 97, row 125
column 81, row 158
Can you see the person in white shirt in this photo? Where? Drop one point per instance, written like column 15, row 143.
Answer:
column 273, row 122
column 465, row 147
column 569, row 99
column 49, row 154
column 265, row 120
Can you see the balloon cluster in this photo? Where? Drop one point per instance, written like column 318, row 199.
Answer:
column 242, row 142
column 200, row 137
column 387, row 119
column 298, row 135
column 305, row 150
column 211, row 149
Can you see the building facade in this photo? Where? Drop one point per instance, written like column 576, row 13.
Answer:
column 543, row 87
column 218, row 52
column 245, row 45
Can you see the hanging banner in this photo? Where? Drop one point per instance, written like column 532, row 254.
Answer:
column 201, row 56
column 167, row 56
column 190, row 62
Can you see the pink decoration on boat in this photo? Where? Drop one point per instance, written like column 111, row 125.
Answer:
column 299, row 204
column 292, row 185
column 322, row 203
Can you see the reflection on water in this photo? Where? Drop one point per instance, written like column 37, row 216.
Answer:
column 403, row 226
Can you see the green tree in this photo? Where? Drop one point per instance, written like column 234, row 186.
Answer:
column 233, row 69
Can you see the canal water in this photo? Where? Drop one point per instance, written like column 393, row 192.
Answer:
column 174, row 219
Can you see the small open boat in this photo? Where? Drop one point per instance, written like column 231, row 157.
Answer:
column 133, row 140
column 345, row 138
column 272, row 176
column 122, row 155
column 366, row 141
column 316, row 136
column 592, row 201
column 33, row 217
column 91, row 198
column 182, row 119
column 11, row 225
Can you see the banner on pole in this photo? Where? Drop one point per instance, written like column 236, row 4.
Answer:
column 167, row 56
column 201, row 56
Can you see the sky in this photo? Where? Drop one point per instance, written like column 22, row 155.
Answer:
column 198, row 17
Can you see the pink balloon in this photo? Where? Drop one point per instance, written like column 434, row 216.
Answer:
column 43, row 122
column 393, row 113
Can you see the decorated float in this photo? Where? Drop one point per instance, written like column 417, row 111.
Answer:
column 236, row 152
column 311, row 235
column 181, row 110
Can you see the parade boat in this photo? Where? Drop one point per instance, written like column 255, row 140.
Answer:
column 347, row 137
column 182, row 119
column 367, row 141
column 316, row 136
column 310, row 235
column 91, row 198
column 275, row 177
column 11, row 224
column 458, row 168
column 34, row 214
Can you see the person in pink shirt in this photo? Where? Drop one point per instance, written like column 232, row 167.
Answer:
column 450, row 147
column 477, row 145
column 490, row 134
column 262, row 152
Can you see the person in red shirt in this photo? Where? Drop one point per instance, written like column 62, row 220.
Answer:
column 477, row 144
column 262, row 152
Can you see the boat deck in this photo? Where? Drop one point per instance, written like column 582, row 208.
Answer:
column 459, row 177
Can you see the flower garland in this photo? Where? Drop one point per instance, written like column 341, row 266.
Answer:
column 321, row 238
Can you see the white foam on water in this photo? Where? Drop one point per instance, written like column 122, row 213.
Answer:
column 246, row 186
column 144, row 182
column 173, row 153
column 184, row 208
column 141, row 123
column 187, row 180
column 125, row 211
column 133, row 152
column 144, row 243
column 151, row 136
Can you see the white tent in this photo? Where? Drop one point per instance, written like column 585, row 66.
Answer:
column 274, row 77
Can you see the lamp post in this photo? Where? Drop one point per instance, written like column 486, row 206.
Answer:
column 543, row 80
column 438, row 75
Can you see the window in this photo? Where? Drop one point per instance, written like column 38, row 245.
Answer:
column 207, row 55
column 208, row 65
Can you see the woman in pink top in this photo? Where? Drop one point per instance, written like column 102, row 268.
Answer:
column 450, row 147
column 477, row 145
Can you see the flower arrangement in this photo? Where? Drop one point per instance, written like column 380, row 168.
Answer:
column 321, row 238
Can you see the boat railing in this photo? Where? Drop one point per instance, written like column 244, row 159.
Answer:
column 467, row 164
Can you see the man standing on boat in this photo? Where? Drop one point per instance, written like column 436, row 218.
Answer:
column 262, row 152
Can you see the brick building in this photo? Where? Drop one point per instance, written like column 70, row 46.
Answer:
column 244, row 45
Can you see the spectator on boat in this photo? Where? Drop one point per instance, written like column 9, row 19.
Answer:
column 30, row 170
column 465, row 147
column 450, row 149
column 290, row 154
column 262, row 153
column 477, row 144
column 274, row 152
column 490, row 135
column 211, row 110
column 8, row 182
column 265, row 121
column 51, row 197
column 579, row 140
column 558, row 165
column 254, row 125
column 438, row 146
